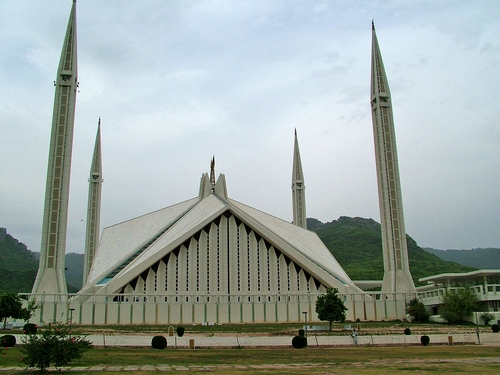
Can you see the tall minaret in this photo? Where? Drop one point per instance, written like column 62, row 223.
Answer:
column 51, row 278
column 298, row 188
column 397, row 277
column 94, row 206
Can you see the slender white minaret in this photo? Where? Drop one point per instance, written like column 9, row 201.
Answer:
column 94, row 206
column 298, row 188
column 397, row 277
column 51, row 278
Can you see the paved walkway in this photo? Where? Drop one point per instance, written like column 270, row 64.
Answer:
column 233, row 341
column 215, row 368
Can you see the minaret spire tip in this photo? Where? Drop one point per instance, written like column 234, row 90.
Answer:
column 373, row 25
column 212, row 172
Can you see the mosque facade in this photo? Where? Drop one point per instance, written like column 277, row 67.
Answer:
column 209, row 259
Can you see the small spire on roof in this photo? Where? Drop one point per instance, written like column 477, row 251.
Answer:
column 373, row 24
column 212, row 172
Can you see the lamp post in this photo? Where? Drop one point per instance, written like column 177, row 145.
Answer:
column 305, row 319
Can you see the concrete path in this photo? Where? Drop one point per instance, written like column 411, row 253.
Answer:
column 223, row 341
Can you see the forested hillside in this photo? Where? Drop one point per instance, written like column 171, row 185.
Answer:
column 356, row 243
column 488, row 258
column 18, row 265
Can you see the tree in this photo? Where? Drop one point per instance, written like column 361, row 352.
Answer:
column 11, row 306
column 486, row 317
column 458, row 305
column 330, row 307
column 56, row 345
column 418, row 311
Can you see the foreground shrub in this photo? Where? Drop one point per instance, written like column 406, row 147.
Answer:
column 180, row 331
column 159, row 342
column 458, row 305
column 56, row 345
column 299, row 342
column 30, row 328
column 407, row 331
column 8, row 341
column 418, row 311
column 425, row 340
column 495, row 328
column 486, row 317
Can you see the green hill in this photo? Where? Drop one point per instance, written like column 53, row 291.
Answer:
column 488, row 258
column 356, row 243
column 18, row 265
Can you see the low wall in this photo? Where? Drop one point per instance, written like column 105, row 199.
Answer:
column 286, row 341
column 152, row 309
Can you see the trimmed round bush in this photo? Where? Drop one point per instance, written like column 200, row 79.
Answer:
column 299, row 342
column 425, row 340
column 30, row 328
column 180, row 331
column 407, row 331
column 302, row 332
column 495, row 328
column 159, row 342
column 7, row 341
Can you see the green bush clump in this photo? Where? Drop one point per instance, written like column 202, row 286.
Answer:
column 8, row 341
column 159, row 342
column 180, row 331
column 425, row 340
column 30, row 328
column 299, row 342
column 407, row 331
column 56, row 345
column 418, row 311
column 495, row 328
column 486, row 317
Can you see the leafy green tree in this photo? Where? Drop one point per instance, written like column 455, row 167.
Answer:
column 330, row 307
column 11, row 306
column 418, row 311
column 487, row 317
column 458, row 305
column 56, row 345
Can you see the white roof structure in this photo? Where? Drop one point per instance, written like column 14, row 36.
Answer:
column 128, row 250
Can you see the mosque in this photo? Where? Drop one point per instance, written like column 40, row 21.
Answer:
column 210, row 259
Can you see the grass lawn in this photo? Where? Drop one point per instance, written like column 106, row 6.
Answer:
column 471, row 359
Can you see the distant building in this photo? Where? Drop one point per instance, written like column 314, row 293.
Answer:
column 485, row 284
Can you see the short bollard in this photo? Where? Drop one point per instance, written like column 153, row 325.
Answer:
column 450, row 339
column 191, row 343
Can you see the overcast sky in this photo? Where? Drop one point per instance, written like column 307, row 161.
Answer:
column 176, row 82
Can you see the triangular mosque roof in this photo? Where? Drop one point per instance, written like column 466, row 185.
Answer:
column 129, row 248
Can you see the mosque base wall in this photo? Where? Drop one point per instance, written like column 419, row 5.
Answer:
column 223, row 309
